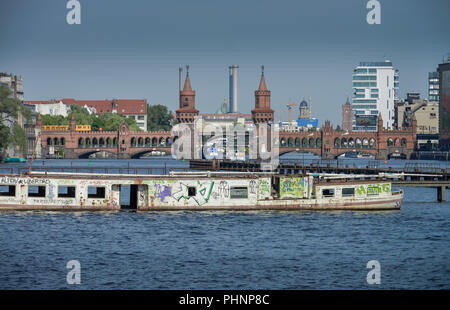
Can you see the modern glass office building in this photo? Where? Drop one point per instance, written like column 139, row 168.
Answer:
column 375, row 86
column 433, row 86
column 444, row 103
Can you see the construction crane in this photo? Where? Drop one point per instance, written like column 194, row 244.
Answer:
column 289, row 110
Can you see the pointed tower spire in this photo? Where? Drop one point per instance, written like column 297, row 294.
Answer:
column 187, row 82
column 262, row 83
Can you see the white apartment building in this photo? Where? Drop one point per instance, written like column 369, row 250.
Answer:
column 375, row 87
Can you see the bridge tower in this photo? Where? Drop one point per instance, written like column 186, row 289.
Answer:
column 262, row 113
column 187, row 111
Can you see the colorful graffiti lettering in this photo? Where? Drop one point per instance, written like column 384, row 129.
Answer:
column 373, row 189
column 361, row 191
column 162, row 191
column 201, row 196
column 291, row 187
column 264, row 187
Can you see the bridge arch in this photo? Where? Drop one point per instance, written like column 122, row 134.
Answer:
column 365, row 143
column 390, row 142
column 305, row 142
column 290, row 142
column 318, row 142
column 139, row 154
column 89, row 153
column 351, row 143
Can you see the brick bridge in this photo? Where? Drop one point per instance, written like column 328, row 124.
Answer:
column 122, row 144
column 327, row 143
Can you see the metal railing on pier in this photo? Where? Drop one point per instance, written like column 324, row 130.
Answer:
column 131, row 170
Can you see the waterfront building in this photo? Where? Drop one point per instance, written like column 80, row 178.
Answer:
column 133, row 108
column 14, row 82
column 347, row 116
column 444, row 103
column 433, row 86
column 375, row 86
column 51, row 107
column 426, row 114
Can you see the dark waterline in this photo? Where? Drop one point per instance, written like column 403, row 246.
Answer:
column 229, row 250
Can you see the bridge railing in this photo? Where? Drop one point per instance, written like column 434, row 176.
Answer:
column 132, row 171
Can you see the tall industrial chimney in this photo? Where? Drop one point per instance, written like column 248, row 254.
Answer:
column 180, row 78
column 233, row 101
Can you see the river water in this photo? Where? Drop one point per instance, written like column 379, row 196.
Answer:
column 228, row 250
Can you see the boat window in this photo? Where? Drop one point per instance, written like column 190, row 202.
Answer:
column 347, row 192
column 192, row 191
column 238, row 192
column 328, row 192
column 36, row 191
column 7, row 190
column 66, row 191
column 96, row 192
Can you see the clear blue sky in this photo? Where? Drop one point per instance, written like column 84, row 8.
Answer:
column 132, row 49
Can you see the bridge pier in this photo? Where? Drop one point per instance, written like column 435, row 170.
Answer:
column 441, row 193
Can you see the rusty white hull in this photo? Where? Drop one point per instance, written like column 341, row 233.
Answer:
column 90, row 192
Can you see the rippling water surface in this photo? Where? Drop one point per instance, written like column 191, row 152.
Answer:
column 230, row 250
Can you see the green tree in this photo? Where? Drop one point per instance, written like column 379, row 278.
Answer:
column 54, row 120
column 81, row 115
column 11, row 133
column 159, row 118
column 106, row 121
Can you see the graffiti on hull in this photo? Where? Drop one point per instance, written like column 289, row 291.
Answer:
column 373, row 189
column 200, row 193
column 292, row 187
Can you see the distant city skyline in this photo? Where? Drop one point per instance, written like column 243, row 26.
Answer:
column 134, row 49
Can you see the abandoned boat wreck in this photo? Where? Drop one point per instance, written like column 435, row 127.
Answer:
column 194, row 191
